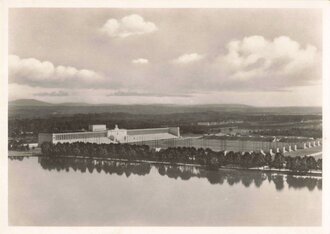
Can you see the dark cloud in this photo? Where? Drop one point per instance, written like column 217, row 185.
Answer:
column 52, row 94
column 138, row 94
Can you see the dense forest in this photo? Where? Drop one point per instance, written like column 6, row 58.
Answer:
column 188, row 122
column 35, row 108
column 184, row 155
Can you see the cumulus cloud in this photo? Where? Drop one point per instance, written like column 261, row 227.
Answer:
column 257, row 57
column 59, row 93
column 33, row 72
column 140, row 61
column 188, row 58
column 253, row 63
column 128, row 26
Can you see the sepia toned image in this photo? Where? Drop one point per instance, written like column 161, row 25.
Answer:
column 183, row 117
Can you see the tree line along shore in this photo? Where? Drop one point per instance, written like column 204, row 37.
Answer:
column 184, row 155
column 228, row 176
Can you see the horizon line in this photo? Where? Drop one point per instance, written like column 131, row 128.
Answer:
column 160, row 104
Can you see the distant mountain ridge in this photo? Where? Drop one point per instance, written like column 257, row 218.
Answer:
column 35, row 102
column 27, row 107
column 29, row 102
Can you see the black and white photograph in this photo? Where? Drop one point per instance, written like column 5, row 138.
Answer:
column 165, row 116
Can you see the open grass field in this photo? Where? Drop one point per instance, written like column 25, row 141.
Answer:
column 315, row 151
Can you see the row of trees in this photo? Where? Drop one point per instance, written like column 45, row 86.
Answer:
column 231, row 177
column 90, row 165
column 18, row 146
column 185, row 155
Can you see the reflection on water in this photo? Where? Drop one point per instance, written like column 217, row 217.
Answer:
column 231, row 177
column 74, row 192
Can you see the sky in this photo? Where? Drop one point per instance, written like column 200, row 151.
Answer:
column 261, row 57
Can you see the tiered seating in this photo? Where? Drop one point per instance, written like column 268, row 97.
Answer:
column 151, row 137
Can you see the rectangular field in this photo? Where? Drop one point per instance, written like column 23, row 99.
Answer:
column 219, row 144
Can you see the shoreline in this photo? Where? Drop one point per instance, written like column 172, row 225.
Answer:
column 270, row 170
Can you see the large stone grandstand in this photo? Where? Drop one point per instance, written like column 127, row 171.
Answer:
column 150, row 134
column 100, row 134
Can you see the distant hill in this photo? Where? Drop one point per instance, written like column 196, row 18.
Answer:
column 72, row 104
column 25, row 108
column 34, row 102
column 29, row 102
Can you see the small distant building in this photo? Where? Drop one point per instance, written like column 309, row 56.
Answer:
column 233, row 131
column 219, row 122
column 101, row 135
column 31, row 145
column 97, row 127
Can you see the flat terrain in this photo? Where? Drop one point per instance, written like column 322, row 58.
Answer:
column 32, row 152
column 308, row 151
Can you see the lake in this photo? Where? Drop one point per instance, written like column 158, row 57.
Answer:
column 80, row 192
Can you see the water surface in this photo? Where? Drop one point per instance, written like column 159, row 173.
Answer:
column 64, row 192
